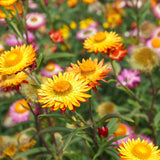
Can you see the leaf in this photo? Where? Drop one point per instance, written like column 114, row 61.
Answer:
column 39, row 60
column 113, row 153
column 58, row 55
column 30, row 152
column 35, row 85
column 57, row 116
column 157, row 119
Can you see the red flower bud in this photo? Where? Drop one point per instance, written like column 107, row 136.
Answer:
column 103, row 132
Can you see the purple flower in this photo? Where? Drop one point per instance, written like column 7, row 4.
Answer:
column 129, row 78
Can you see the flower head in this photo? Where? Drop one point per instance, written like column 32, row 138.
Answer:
column 90, row 70
column 50, row 69
column 56, row 36
column 19, row 111
column 103, row 132
column 144, row 59
column 129, row 78
column 7, row 2
column 72, row 3
column 138, row 150
column 65, row 90
column 12, row 9
column 35, row 20
column 102, row 42
column 17, row 59
column 89, row 1
column 156, row 10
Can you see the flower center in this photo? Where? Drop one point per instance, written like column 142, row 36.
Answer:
column 100, row 36
column 87, row 66
column 50, row 67
column 121, row 131
column 12, row 58
column 142, row 151
column 62, row 87
column 156, row 42
column 33, row 19
column 20, row 106
column 87, row 32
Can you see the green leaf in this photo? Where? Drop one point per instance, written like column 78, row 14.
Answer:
column 35, row 85
column 60, row 116
column 39, row 60
column 58, row 55
column 157, row 119
column 30, row 152
column 113, row 153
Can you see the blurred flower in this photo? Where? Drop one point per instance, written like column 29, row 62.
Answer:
column 138, row 150
column 141, row 136
column 72, row 3
column 35, row 20
column 144, row 59
column 7, row 121
column 156, row 10
column 13, row 80
column 12, row 40
column 117, row 53
column 103, row 132
column 30, row 91
column 64, row 30
column 86, row 32
column 56, row 36
column 89, row 1
column 90, row 70
column 50, row 69
column 85, row 23
column 17, row 59
column 32, row 5
column 135, row 3
column 129, row 78
column 95, row 7
column 73, row 25
column 154, row 43
column 13, row 9
column 106, row 108
column 7, row 147
column 102, row 42
column 19, row 111
column 1, row 47
column 65, row 90
column 7, row 2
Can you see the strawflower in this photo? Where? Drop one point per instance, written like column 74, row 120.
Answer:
column 90, row 70
column 56, row 36
column 72, row 3
column 64, row 90
column 103, row 132
column 19, row 111
column 86, row 23
column 138, row 150
column 89, row 1
column 156, row 10
column 102, row 42
column 7, row 2
column 17, row 59
column 129, row 78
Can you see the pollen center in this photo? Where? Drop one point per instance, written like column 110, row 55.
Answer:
column 87, row 66
column 50, row 67
column 21, row 106
column 142, row 151
column 34, row 19
column 100, row 36
column 121, row 131
column 156, row 42
column 62, row 87
column 12, row 59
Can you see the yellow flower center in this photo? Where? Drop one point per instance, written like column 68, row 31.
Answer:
column 34, row 19
column 62, row 87
column 50, row 67
column 142, row 151
column 156, row 42
column 12, row 59
column 121, row 130
column 100, row 36
column 21, row 106
column 87, row 66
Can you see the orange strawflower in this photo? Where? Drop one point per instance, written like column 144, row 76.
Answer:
column 7, row 2
column 72, row 3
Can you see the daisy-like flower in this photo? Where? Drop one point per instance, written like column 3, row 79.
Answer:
column 85, row 23
column 138, row 150
column 102, row 42
column 65, row 90
column 86, row 32
column 35, row 20
column 90, row 70
column 7, row 2
column 141, row 136
column 50, row 69
column 19, row 111
column 13, row 80
column 156, row 10
column 89, row 1
column 129, row 78
column 17, row 59
column 12, row 9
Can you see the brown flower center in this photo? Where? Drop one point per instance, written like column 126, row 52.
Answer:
column 62, row 87
column 21, row 106
column 33, row 19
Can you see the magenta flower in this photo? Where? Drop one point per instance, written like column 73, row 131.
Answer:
column 129, row 78
column 156, row 10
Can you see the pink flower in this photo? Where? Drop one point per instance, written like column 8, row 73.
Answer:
column 50, row 69
column 129, row 78
column 145, row 138
column 35, row 20
column 19, row 111
column 156, row 10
